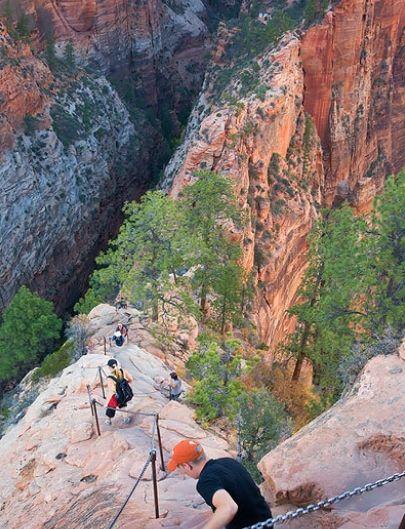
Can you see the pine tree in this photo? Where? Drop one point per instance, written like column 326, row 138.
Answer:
column 386, row 238
column 210, row 204
column 29, row 330
column 338, row 273
column 69, row 57
column 9, row 16
column 22, row 27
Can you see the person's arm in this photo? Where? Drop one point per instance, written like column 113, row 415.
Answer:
column 110, row 388
column 225, row 510
column 128, row 376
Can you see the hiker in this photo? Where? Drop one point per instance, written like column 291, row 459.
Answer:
column 171, row 387
column 120, row 303
column 118, row 339
column 175, row 386
column 225, row 485
column 119, row 391
column 123, row 329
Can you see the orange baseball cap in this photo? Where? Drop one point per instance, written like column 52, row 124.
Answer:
column 184, row 452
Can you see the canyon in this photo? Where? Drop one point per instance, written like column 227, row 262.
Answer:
column 325, row 126
column 75, row 145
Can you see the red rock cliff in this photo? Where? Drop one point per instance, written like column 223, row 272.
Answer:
column 65, row 176
column 326, row 126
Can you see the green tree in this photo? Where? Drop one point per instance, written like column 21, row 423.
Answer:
column 22, row 27
column 9, row 16
column 261, row 423
column 210, row 206
column 69, row 57
column 29, row 330
column 387, row 254
column 151, row 248
column 50, row 54
column 228, row 287
column 217, row 382
column 338, row 273
column 103, row 288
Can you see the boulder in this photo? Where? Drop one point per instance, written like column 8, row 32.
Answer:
column 359, row 440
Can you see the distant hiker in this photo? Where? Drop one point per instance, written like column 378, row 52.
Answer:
column 120, row 303
column 225, row 485
column 175, row 386
column 119, row 390
column 118, row 339
column 171, row 387
column 123, row 329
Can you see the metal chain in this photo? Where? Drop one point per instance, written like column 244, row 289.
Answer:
column 291, row 515
column 132, row 491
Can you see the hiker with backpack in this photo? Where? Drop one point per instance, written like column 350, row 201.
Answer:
column 123, row 329
column 118, row 339
column 225, row 485
column 119, row 390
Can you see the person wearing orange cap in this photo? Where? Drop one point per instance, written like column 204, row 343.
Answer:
column 226, row 486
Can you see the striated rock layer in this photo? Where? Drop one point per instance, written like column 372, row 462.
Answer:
column 359, row 440
column 322, row 124
column 72, row 148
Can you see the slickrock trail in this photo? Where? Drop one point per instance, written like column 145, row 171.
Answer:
column 56, row 471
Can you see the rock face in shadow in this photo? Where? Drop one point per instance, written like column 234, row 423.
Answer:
column 359, row 440
column 310, row 124
column 75, row 145
column 56, row 470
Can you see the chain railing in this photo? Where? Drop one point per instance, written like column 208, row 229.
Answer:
column 149, row 460
column 291, row 515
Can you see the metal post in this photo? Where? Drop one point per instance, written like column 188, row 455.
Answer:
column 96, row 417
column 162, row 461
column 90, row 397
column 105, row 345
column 100, row 374
column 154, row 477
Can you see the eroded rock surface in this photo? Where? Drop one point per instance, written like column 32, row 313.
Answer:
column 56, row 470
column 359, row 440
column 321, row 125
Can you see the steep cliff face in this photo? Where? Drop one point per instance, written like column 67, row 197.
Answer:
column 68, row 149
column 353, row 91
column 309, row 124
column 72, row 148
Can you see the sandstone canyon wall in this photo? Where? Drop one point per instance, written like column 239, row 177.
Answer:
column 323, row 123
column 72, row 149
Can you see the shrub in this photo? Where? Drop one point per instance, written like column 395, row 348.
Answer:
column 216, row 383
column 277, row 207
column 55, row 362
column 262, row 422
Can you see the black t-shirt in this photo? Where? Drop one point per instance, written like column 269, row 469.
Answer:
column 226, row 473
